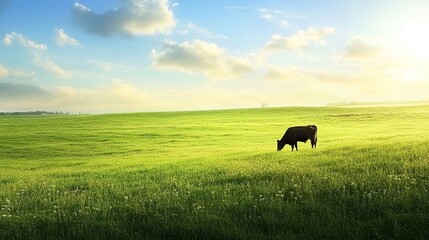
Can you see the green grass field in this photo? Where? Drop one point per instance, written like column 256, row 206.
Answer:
column 216, row 175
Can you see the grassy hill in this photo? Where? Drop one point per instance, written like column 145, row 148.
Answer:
column 216, row 175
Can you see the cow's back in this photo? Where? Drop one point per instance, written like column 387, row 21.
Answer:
column 300, row 133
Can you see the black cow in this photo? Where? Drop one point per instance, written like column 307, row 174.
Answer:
column 293, row 135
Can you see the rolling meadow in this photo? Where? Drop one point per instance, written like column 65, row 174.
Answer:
column 216, row 175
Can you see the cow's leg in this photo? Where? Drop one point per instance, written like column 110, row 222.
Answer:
column 292, row 146
column 296, row 146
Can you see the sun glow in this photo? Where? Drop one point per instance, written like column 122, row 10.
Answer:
column 413, row 38
column 408, row 46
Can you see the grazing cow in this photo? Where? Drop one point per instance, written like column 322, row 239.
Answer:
column 293, row 135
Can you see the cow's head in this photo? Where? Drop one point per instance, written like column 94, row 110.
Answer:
column 280, row 145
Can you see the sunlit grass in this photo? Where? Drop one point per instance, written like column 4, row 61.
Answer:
column 216, row 175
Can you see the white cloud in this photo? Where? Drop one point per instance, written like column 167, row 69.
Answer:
column 135, row 17
column 52, row 67
column 115, row 93
column 266, row 13
column 3, row 71
column 15, row 73
column 360, row 49
column 21, row 97
column 63, row 39
column 301, row 40
column 119, row 96
column 10, row 38
column 20, row 73
column 302, row 76
column 274, row 15
column 193, row 28
column 105, row 66
column 115, row 97
column 81, row 7
column 314, row 87
column 275, row 73
column 238, row 8
column 17, row 91
column 363, row 72
column 200, row 57
column 380, row 62
column 40, row 58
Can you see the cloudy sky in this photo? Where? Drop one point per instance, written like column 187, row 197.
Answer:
column 96, row 56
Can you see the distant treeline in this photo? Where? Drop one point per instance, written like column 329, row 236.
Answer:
column 34, row 113
column 352, row 103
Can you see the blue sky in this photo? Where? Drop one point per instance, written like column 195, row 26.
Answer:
column 143, row 55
